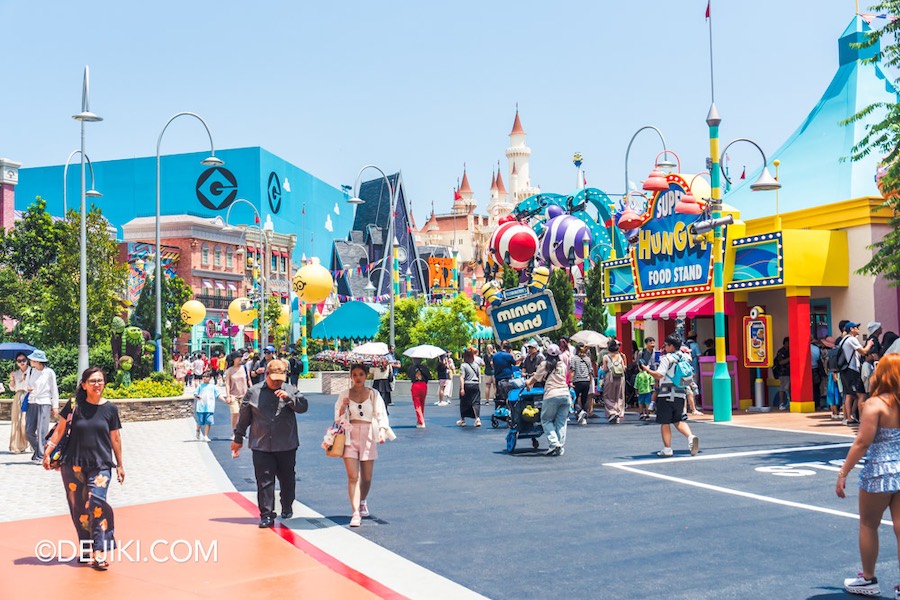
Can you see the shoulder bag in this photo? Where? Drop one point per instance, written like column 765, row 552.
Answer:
column 335, row 439
column 58, row 454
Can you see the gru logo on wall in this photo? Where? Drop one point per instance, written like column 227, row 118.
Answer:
column 274, row 192
column 216, row 188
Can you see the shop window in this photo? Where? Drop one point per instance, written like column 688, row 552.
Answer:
column 229, row 257
column 283, row 264
column 217, row 257
column 820, row 318
column 204, row 254
column 274, row 263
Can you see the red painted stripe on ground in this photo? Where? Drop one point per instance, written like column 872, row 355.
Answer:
column 320, row 556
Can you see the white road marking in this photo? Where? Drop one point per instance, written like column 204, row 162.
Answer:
column 629, row 466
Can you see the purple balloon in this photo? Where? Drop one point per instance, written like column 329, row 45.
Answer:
column 564, row 235
column 554, row 211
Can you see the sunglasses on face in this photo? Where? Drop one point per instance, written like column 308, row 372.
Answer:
column 360, row 410
column 21, row 360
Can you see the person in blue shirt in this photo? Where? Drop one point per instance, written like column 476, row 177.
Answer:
column 205, row 406
column 503, row 362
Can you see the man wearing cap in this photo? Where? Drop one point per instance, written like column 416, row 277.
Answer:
column 851, row 379
column 269, row 409
column 531, row 362
column 258, row 370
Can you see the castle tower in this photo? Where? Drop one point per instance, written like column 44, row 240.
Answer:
column 499, row 205
column 518, row 154
column 464, row 200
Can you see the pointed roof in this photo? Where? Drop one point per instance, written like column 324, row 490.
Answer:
column 501, row 189
column 464, row 187
column 813, row 169
column 517, row 126
column 493, row 181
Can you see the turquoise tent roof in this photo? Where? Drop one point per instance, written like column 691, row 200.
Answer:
column 352, row 321
column 814, row 170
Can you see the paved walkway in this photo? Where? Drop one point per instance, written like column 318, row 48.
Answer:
column 175, row 490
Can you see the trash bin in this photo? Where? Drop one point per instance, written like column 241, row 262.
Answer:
column 707, row 368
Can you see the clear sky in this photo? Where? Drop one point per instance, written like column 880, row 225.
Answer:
column 417, row 86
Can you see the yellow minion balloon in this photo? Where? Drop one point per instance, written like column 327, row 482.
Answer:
column 192, row 312
column 241, row 311
column 285, row 317
column 312, row 283
column 539, row 278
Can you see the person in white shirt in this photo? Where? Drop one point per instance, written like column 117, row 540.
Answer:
column 851, row 378
column 43, row 403
column 670, row 398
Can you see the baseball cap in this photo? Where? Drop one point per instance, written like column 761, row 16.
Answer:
column 553, row 350
column 277, row 370
column 850, row 325
column 270, row 349
column 873, row 326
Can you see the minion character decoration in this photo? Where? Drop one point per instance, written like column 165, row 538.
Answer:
column 491, row 294
column 539, row 278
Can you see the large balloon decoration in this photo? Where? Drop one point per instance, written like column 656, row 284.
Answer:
column 312, row 283
column 241, row 311
column 192, row 312
column 516, row 240
column 564, row 238
column 284, row 318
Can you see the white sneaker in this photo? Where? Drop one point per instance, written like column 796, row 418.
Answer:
column 665, row 453
column 582, row 421
column 862, row 586
column 582, row 416
column 363, row 509
column 694, row 444
column 206, row 438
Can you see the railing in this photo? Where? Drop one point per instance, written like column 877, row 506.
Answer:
column 217, row 302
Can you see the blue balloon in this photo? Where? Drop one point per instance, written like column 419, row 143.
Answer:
column 554, row 211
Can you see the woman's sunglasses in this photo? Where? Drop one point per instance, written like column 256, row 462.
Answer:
column 21, row 360
column 361, row 413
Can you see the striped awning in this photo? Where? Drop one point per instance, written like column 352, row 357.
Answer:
column 207, row 283
column 231, row 286
column 220, row 285
column 671, row 308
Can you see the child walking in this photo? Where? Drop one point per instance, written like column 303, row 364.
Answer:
column 205, row 406
column 643, row 384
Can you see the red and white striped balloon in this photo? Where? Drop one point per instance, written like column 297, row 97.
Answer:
column 518, row 240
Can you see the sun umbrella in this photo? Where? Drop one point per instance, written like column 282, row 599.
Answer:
column 590, row 338
column 8, row 350
column 424, row 351
column 372, row 349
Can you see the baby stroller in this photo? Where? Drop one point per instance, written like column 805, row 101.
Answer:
column 501, row 400
column 524, row 407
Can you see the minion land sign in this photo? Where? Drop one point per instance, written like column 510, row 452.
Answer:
column 524, row 316
column 667, row 260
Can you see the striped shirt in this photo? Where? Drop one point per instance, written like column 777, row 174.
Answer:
column 580, row 368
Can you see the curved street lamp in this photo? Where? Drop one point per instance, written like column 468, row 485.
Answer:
column 664, row 164
column 355, row 199
column 371, row 289
column 210, row 161
column 91, row 193
column 85, row 116
column 424, row 279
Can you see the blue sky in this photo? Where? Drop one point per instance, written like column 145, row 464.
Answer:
column 421, row 87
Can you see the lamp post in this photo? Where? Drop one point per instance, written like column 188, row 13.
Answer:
column 210, row 161
column 85, row 116
column 722, row 396
column 653, row 174
column 268, row 229
column 91, row 193
column 425, row 286
column 371, row 289
column 264, row 287
column 355, row 199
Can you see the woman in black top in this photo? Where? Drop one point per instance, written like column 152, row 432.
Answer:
column 469, row 390
column 94, row 449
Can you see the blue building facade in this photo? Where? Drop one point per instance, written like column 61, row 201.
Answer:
column 296, row 201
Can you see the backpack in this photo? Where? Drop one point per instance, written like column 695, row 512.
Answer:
column 837, row 361
column 617, row 368
column 683, row 370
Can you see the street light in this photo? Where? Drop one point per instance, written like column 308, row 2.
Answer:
column 91, row 193
column 85, row 116
column 355, row 199
column 722, row 397
column 371, row 289
column 655, row 174
column 210, row 161
column 263, row 240
column 424, row 280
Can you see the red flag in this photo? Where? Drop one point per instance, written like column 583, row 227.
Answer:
column 583, row 180
column 708, row 2
column 744, row 173
column 256, row 219
column 457, row 195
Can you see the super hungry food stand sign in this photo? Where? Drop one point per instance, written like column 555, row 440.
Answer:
column 667, row 260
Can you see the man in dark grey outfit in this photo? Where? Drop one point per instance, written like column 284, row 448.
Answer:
column 268, row 409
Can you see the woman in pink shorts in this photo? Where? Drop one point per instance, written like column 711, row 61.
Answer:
column 364, row 410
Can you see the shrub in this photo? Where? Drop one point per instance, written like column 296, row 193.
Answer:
column 146, row 388
column 162, row 377
column 67, row 385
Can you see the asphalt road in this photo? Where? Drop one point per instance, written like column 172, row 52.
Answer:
column 754, row 515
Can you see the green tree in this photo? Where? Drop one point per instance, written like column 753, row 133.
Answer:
column 884, row 138
column 34, row 242
column 449, row 325
column 564, row 297
column 273, row 312
column 594, row 315
column 105, row 282
column 406, row 315
column 510, row 277
column 175, row 292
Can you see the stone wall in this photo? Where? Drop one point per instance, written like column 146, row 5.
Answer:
column 335, row 382
column 135, row 409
